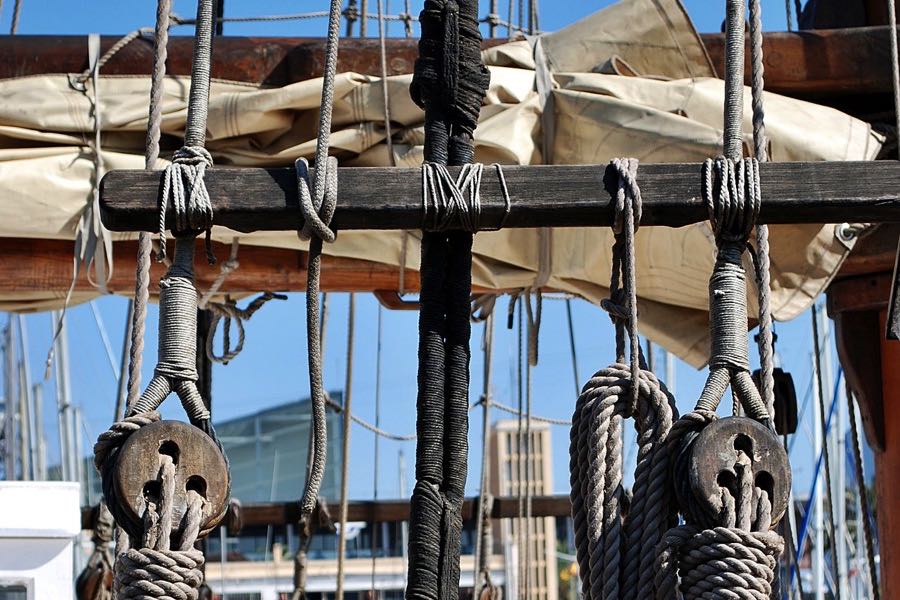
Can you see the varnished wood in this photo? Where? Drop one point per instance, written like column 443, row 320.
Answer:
column 382, row 511
column 254, row 199
column 825, row 62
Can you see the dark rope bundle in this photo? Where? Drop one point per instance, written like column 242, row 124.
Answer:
column 450, row 79
column 449, row 83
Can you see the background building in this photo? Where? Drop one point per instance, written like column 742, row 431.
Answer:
column 509, row 456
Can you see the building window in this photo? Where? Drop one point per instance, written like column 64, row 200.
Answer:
column 13, row 592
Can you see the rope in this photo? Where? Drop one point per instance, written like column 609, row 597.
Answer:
column 345, row 449
column 317, row 207
column 448, row 202
column 228, row 311
column 449, row 82
column 95, row 580
column 763, row 281
column 484, row 539
column 509, row 409
column 615, row 543
column 386, row 97
column 183, row 179
column 733, row 553
column 820, row 389
column 863, row 494
column 151, row 154
column 17, row 12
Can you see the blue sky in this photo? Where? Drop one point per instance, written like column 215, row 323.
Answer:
column 272, row 368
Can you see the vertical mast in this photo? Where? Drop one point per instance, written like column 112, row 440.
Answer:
column 30, row 427
column 818, row 554
column 61, row 368
column 9, row 421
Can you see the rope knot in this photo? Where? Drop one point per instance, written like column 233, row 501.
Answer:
column 627, row 193
column 732, row 193
column 185, row 189
column 317, row 209
column 617, row 307
column 229, row 311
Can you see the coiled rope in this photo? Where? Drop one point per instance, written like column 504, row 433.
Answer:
column 615, row 543
column 449, row 82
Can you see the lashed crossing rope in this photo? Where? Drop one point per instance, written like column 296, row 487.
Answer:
column 615, row 543
column 450, row 81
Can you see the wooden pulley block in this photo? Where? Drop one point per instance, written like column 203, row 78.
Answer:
column 723, row 453
column 786, row 418
column 199, row 466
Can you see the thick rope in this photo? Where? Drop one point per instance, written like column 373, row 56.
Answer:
column 615, row 543
column 450, row 82
column 95, row 580
column 317, row 207
column 863, row 493
column 732, row 554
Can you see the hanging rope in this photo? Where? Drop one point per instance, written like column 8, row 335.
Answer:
column 95, row 580
column 863, row 493
column 450, row 82
column 726, row 543
column 826, row 454
column 484, row 539
column 318, row 199
column 615, row 543
column 760, row 146
column 345, row 448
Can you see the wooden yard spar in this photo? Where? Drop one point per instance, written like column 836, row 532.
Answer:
column 794, row 193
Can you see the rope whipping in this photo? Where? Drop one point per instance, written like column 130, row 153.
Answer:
column 615, row 538
column 317, row 207
column 449, row 83
column 863, row 493
column 730, row 552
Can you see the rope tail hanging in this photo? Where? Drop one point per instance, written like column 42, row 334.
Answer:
column 615, row 543
column 317, row 207
column 450, row 82
column 731, row 476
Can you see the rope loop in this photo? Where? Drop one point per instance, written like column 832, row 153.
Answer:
column 184, row 187
column 616, row 545
column 732, row 193
column 317, row 210
column 449, row 202
column 228, row 311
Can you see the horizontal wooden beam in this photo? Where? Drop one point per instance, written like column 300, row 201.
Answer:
column 807, row 63
column 382, row 511
column 28, row 266
column 254, row 199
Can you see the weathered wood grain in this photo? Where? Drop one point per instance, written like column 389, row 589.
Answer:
column 541, row 196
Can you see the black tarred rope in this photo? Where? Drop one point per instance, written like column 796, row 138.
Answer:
column 449, row 83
